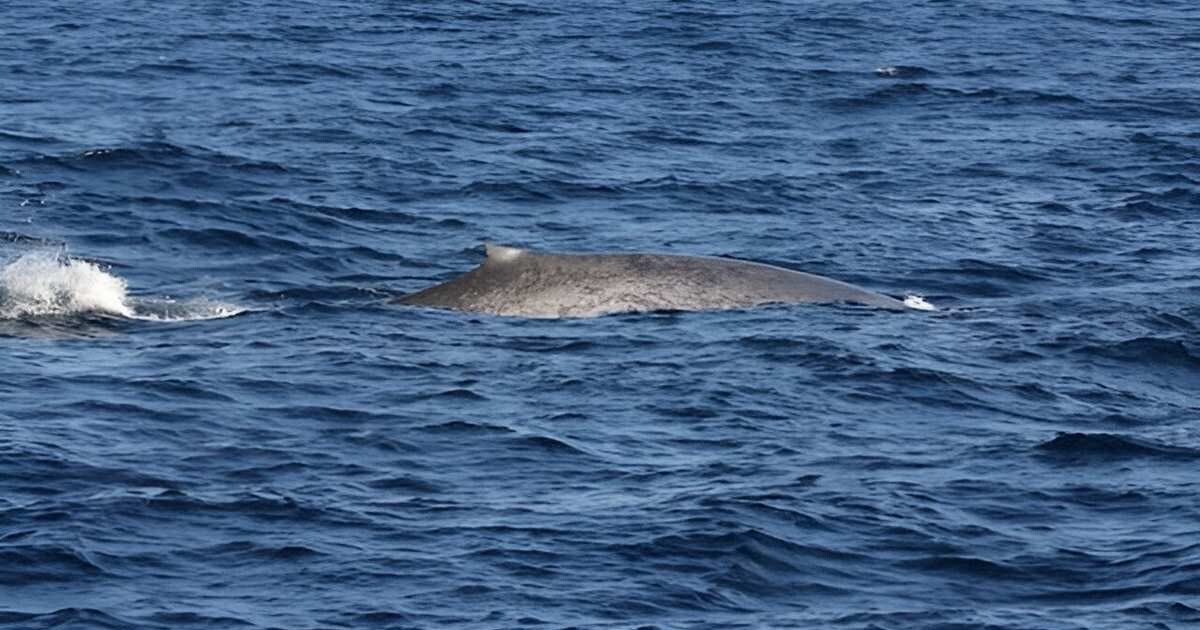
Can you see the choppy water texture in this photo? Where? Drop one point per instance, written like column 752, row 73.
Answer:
column 211, row 416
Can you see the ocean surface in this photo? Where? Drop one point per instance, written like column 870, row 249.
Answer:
column 213, row 415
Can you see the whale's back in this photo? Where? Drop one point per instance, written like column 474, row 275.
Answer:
column 524, row 283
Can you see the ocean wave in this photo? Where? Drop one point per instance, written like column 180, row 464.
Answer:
column 914, row 92
column 968, row 567
column 69, row 618
column 23, row 564
column 1144, row 210
column 1176, row 611
column 134, row 156
column 1110, row 446
column 1154, row 352
column 147, row 154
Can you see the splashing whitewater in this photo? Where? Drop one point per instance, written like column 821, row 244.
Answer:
column 49, row 284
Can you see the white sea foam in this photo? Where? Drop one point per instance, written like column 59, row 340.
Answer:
column 48, row 283
column 171, row 310
column 919, row 303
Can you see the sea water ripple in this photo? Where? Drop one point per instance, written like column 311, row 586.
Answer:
column 211, row 414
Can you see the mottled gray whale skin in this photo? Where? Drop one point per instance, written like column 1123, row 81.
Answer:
column 523, row 283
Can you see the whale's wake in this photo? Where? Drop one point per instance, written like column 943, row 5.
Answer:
column 51, row 284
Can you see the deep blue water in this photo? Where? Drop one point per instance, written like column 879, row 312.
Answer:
column 212, row 417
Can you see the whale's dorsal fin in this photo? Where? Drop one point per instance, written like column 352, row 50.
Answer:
column 501, row 253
